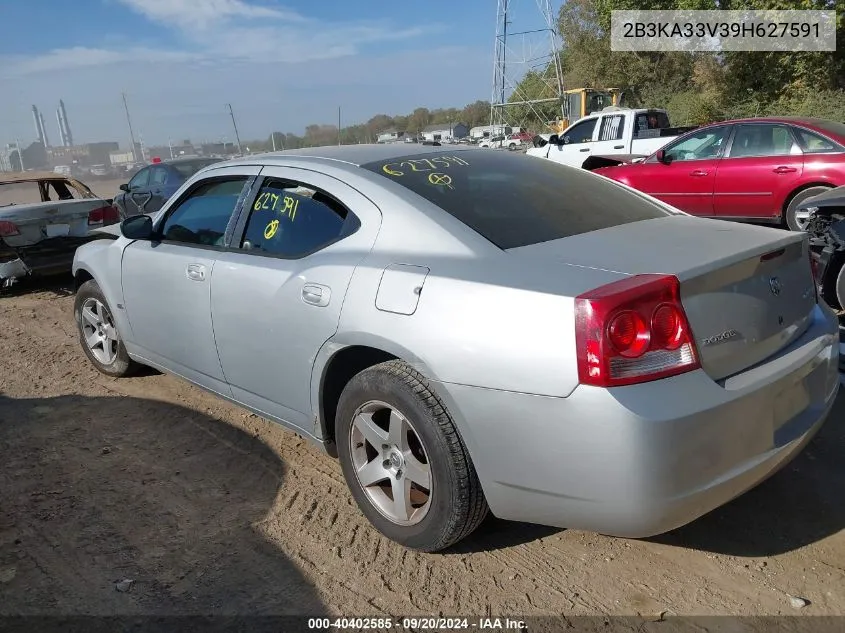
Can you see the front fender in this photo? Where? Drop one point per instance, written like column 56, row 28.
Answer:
column 101, row 260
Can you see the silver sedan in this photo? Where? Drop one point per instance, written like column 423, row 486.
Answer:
column 473, row 331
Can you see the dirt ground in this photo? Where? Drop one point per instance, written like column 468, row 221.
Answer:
column 208, row 509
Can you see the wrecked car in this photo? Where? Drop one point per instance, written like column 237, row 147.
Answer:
column 825, row 215
column 44, row 217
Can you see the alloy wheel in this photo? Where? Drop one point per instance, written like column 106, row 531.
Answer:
column 391, row 463
column 99, row 331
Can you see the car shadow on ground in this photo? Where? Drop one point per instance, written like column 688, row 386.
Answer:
column 800, row 505
column 128, row 506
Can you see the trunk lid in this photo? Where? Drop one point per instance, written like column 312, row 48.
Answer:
column 747, row 290
column 42, row 220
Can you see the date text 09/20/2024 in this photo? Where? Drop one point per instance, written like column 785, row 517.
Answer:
column 417, row 624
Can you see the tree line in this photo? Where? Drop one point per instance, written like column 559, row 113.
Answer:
column 695, row 88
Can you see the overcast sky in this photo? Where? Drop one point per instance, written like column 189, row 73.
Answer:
column 282, row 65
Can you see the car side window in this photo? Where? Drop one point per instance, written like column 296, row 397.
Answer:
column 763, row 140
column 159, row 176
column 291, row 220
column 203, row 216
column 582, row 132
column 699, row 145
column 812, row 143
column 141, row 179
column 612, row 127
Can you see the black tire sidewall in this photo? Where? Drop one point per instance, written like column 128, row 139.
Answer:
column 379, row 384
column 121, row 363
column 791, row 224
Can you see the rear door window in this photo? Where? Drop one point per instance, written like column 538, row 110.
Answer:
column 514, row 200
column 292, row 220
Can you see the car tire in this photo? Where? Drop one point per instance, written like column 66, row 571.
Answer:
column 839, row 288
column 790, row 219
column 98, row 333
column 392, row 396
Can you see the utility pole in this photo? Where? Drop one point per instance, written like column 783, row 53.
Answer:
column 235, row 125
column 131, row 133
column 338, row 125
column 273, row 139
column 170, row 145
column 20, row 153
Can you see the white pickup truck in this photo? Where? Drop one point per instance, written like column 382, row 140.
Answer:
column 612, row 132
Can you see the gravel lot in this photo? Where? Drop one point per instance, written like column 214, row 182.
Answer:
column 208, row 509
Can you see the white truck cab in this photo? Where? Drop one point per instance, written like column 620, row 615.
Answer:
column 611, row 132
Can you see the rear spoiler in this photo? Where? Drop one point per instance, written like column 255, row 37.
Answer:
column 597, row 162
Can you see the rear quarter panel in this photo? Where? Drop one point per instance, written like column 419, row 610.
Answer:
column 826, row 169
column 499, row 324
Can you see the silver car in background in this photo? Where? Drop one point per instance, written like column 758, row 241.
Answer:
column 471, row 330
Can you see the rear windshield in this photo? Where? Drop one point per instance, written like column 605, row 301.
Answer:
column 189, row 168
column 516, row 200
column 832, row 128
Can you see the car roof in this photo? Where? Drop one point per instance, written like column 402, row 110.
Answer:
column 801, row 120
column 351, row 154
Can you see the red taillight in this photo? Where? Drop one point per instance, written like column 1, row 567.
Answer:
column 103, row 215
column 632, row 331
column 8, row 229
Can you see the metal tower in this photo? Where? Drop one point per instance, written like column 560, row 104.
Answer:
column 517, row 53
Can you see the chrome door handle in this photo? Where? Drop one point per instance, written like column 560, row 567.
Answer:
column 784, row 170
column 316, row 295
column 698, row 172
column 195, row 272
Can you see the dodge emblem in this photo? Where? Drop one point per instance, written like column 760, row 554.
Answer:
column 774, row 285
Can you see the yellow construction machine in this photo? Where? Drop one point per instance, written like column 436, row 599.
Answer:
column 579, row 102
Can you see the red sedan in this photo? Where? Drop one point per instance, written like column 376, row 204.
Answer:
column 757, row 169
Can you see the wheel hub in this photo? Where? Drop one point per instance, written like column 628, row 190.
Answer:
column 390, row 463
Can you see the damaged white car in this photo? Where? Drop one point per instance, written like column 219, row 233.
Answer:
column 44, row 217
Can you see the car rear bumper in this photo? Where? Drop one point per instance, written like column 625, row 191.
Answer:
column 642, row 460
column 49, row 256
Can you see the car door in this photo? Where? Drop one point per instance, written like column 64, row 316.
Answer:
column 611, row 136
column 762, row 165
column 687, row 177
column 167, row 280
column 159, row 176
column 277, row 299
column 139, row 192
column 575, row 144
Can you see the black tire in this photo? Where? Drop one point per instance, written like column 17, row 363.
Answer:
column 789, row 216
column 839, row 288
column 457, row 503
column 122, row 365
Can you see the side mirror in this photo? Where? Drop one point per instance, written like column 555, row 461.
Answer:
column 137, row 227
column 124, row 187
column 661, row 157
column 554, row 139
